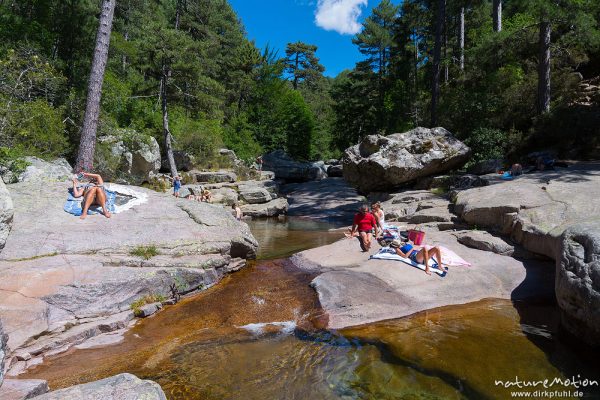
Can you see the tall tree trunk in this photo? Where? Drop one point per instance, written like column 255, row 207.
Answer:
column 544, row 67
column 87, row 143
column 437, row 51
column 415, row 79
column 167, row 133
column 446, row 72
column 461, row 39
column 497, row 15
column 177, row 14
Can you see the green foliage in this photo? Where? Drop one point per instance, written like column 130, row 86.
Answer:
column 145, row 252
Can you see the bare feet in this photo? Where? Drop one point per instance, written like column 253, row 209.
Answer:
column 83, row 216
column 107, row 214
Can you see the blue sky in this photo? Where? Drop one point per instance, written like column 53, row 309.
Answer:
column 328, row 24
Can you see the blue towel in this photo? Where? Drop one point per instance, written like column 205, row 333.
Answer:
column 507, row 176
column 73, row 204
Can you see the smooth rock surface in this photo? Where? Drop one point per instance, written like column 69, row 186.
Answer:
column 254, row 195
column 535, row 209
column 271, row 209
column 74, row 272
column 20, row 389
column 382, row 163
column 290, row 170
column 128, row 161
column 330, row 198
column 214, row 176
column 483, row 240
column 578, row 281
column 354, row 290
column 118, row 387
column 6, row 214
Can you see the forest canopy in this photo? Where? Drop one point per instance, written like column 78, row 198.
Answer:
column 504, row 79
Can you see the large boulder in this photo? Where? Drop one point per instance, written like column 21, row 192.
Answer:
column 183, row 161
column 287, row 168
column 254, row 194
column 214, row 176
column 6, row 214
column 130, row 158
column 3, row 351
column 335, row 171
column 271, row 209
column 578, row 281
column 40, row 170
column 118, row 387
column 380, row 163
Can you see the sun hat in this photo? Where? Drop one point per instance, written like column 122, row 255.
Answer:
column 396, row 243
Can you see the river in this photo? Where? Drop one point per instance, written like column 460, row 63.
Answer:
column 259, row 335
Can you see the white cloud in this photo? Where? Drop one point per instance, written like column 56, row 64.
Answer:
column 339, row 15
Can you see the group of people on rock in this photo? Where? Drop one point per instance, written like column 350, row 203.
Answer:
column 204, row 195
column 368, row 224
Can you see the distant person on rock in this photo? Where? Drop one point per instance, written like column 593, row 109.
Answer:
column 420, row 256
column 238, row 211
column 92, row 192
column 176, row 185
column 365, row 223
column 259, row 163
column 206, row 196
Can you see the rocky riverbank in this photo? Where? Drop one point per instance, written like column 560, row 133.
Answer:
column 542, row 233
column 64, row 280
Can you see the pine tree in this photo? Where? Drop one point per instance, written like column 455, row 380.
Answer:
column 87, row 144
column 302, row 64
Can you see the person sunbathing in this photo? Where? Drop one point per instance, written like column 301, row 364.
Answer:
column 92, row 192
column 420, row 256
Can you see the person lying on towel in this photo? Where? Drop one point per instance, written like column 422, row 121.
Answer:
column 92, row 192
column 420, row 256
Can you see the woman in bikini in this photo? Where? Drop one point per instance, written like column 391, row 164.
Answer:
column 420, row 256
column 92, row 192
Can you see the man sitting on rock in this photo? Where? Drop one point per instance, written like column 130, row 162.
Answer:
column 366, row 224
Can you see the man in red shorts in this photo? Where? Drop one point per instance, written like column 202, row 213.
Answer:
column 366, row 224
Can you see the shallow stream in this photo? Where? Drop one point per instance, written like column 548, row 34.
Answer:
column 258, row 335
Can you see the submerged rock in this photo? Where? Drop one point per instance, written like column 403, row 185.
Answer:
column 118, row 387
column 578, row 281
column 380, row 163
